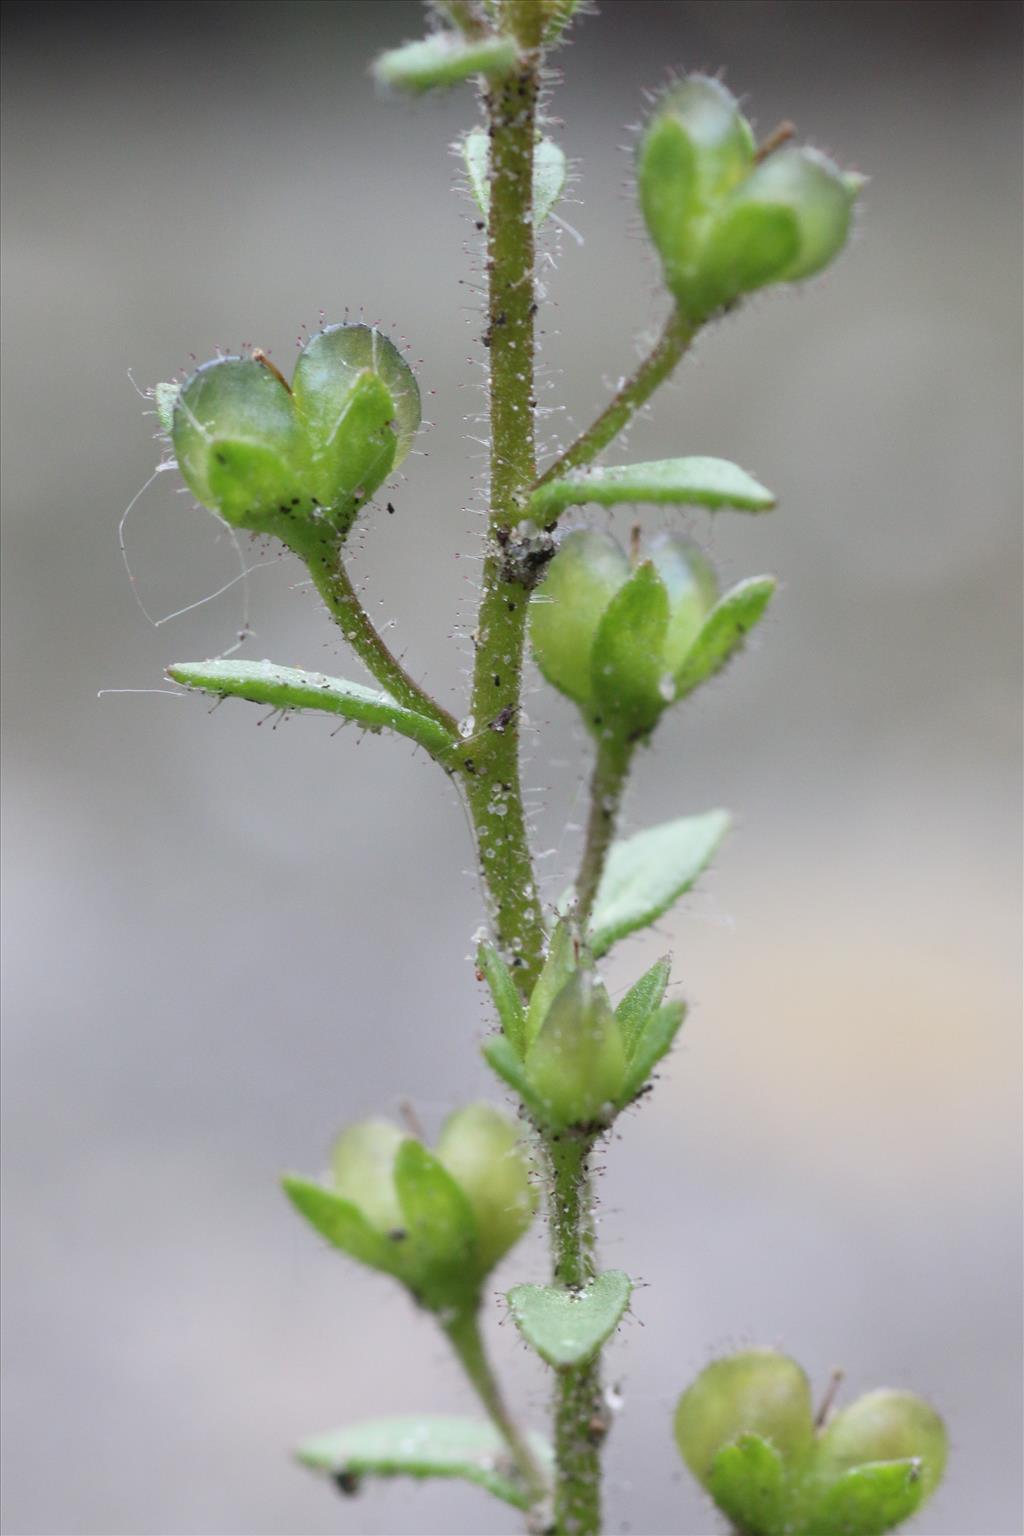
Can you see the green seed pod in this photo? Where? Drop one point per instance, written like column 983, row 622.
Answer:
column 723, row 224
column 438, row 1223
column 238, row 443
column 567, row 608
column 576, row 1067
column 692, row 589
column 363, row 1166
column 884, row 1426
column 483, row 1153
column 617, row 640
column 276, row 460
column 696, row 148
column 756, row 1392
column 332, row 362
column 787, row 221
column 746, row 1431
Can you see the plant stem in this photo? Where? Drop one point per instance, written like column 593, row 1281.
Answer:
column 491, row 758
column 611, row 770
column 579, row 1405
column 631, row 395
column 322, row 555
column 464, row 1334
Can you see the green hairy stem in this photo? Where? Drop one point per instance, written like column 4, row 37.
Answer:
column 580, row 1422
column 624, row 637
column 322, row 557
column 612, row 763
column 463, row 1331
column 491, row 771
column 630, row 397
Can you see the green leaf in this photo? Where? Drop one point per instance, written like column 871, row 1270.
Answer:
column 427, row 1446
column 503, row 1058
column 747, row 1482
column 655, row 1042
column 648, row 872
column 643, row 997
column 341, row 1223
column 549, row 171
column 702, row 482
column 441, row 1230
column 724, row 631
column 869, row 1500
column 444, row 59
column 263, row 682
column 567, row 1328
column 626, row 666
column 503, row 991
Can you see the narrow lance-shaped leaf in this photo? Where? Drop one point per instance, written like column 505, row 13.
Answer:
column 641, row 1001
column 503, row 1058
column 549, row 172
column 648, row 872
column 428, row 1446
column 444, row 59
column 656, row 1041
column 703, row 482
column 561, row 961
column 263, row 682
column 340, row 1222
column 724, row 631
column 503, row 991
column 567, row 1328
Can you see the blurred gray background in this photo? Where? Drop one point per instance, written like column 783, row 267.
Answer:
column 224, row 940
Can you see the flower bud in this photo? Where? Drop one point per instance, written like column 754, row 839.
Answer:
column 617, row 640
column 573, row 1062
column 275, row 459
column 723, row 224
column 483, row 1153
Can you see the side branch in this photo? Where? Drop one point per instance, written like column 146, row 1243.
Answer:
column 463, row 1331
column 322, row 556
column 611, row 770
column 634, row 393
